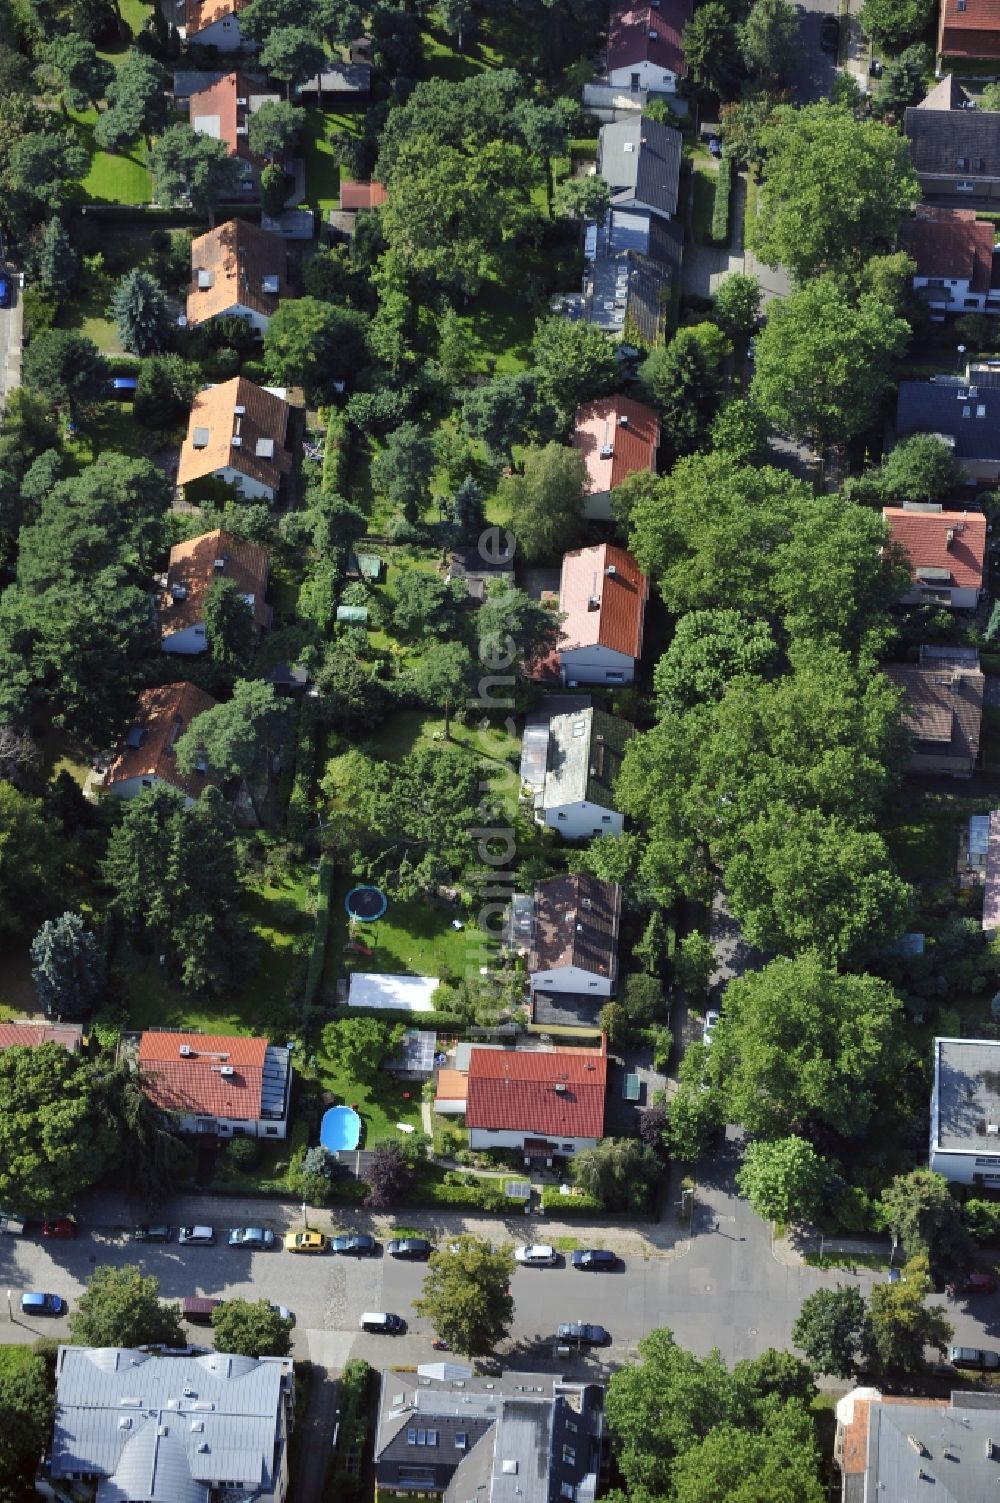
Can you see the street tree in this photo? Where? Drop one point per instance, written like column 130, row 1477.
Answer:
column 65, row 369
column 833, row 1330
column 894, row 23
column 927, row 1220
column 186, row 164
column 903, row 1325
column 313, row 344
column 122, row 1307
column 738, row 297
column 274, row 129
column 230, row 629
column 778, row 1458
column 769, row 39
column 500, row 413
column 784, row 1179
column 621, row 1173
column 708, row 649
column 466, row 1295
column 239, row 738
column 694, row 963
column 71, row 64
column 695, row 1112
column 837, row 188
column 711, row 51
column 58, row 259
column 292, row 54
column 401, row 470
column 139, row 310
column 546, row 501
column 251, row 1328
column 574, row 361
column 67, row 967
column 800, row 1046
column 56, row 1140
column 824, row 364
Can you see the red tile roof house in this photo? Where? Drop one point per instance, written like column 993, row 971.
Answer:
column 946, row 550
column 194, row 568
column 217, row 1083
column 211, row 23
column 223, row 111
column 602, row 598
column 547, row 1103
column 26, row 1034
column 953, row 251
column 645, row 52
column 145, row 757
column 617, row 438
column 969, row 31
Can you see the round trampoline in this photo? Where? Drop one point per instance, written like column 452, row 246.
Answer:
column 340, row 1129
column 366, row 904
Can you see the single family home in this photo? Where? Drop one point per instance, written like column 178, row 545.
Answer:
column 969, row 33
column 954, row 147
column 646, row 45
column 602, row 600
column 239, row 433
column 943, row 712
column 211, row 23
column 573, row 927
column 223, row 112
column 197, row 565
column 141, row 1426
column 965, row 1111
column 238, row 270
column 584, row 755
column 965, row 414
column 546, row 1103
column 958, row 269
column 146, row 756
column 341, row 85
column 617, row 437
column 640, row 160
column 229, row 1085
column 946, row 551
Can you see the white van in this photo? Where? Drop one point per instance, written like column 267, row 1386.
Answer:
column 382, row 1323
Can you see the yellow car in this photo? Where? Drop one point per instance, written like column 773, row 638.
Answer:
column 305, row 1242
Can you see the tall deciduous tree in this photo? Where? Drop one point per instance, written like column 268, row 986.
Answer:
column 442, row 677
column 274, row 129
column 27, row 1405
column 574, row 361
column 67, row 967
column 927, row 1219
column 313, row 344
column 513, row 630
column 894, row 23
column 71, row 63
column 137, row 101
column 251, row 1328
column 785, row 1179
column 466, row 1295
column 778, row 1459
column 56, row 1138
column 683, row 380
column 29, row 859
column 65, row 369
column 401, row 469
column 187, row 164
column 832, row 1329
column 769, row 39
column 500, row 414
column 711, row 51
column 708, row 649
column 241, row 737
column 903, row 1325
column 546, row 501
column 122, row 1307
column 292, row 54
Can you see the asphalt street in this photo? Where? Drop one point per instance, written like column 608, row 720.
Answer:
column 11, row 335
column 812, row 75
column 723, row 1285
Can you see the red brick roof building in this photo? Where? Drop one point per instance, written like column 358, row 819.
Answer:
column 957, row 271
column 217, row 1083
column 946, row 551
column 602, row 599
column 356, row 194
column 969, row 29
column 146, row 757
column 647, row 41
column 546, row 1102
column 617, row 438
column 27, row 1034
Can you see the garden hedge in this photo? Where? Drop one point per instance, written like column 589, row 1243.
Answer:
column 315, row 973
column 723, row 199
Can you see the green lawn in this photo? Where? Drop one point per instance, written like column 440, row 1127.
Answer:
column 445, row 61
column 380, row 1105
column 113, row 178
column 922, row 833
column 135, row 14
column 323, row 170
column 111, row 427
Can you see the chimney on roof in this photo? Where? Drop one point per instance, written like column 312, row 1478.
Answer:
column 623, row 420
column 949, row 537
column 560, row 1088
column 611, row 571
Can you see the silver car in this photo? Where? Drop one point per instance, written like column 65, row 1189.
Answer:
column 196, row 1236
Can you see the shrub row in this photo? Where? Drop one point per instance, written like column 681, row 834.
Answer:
column 336, row 452
column 300, row 801
column 456, row 1189
column 982, row 1217
column 315, row 973
column 352, row 1436
column 441, row 1022
column 723, row 198
column 567, row 1206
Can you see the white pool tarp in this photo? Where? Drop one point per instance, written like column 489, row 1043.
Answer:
column 397, row 993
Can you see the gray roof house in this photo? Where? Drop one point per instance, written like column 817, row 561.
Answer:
column 519, row 1438
column 153, row 1427
column 897, row 1448
column 955, row 147
column 965, row 414
column 965, row 1112
column 640, row 160
column 584, row 754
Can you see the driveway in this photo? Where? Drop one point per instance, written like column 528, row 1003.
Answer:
column 11, row 339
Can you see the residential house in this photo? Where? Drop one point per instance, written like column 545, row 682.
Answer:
column 965, row 415
column 946, row 552
column 899, row 1447
column 25, row 1033
column 602, row 600
column 444, row 1431
column 583, row 759
column 965, row 1111
column 989, row 862
column 164, row 1427
column 146, row 757
column 223, row 112
column 237, row 271
column 572, row 935
column 229, row 1085
column 958, row 270
column 194, row 567
column 238, row 432
column 640, row 160
column 188, row 81
column 535, row 738
column 546, row 1103
column 645, row 45
column 342, row 86
column 969, row 33
column 355, row 197
column 617, row 437
column 955, row 148
column 943, row 712
column 211, row 23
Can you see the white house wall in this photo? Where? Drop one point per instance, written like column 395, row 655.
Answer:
column 484, row 1137
column 228, row 1127
column 595, row 665
column 253, row 488
column 572, row 978
column 581, row 820
column 132, row 787
column 644, row 75
column 224, row 34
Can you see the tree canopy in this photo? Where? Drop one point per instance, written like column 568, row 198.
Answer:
column 122, row 1307
column 466, row 1295
column 56, row 1135
column 251, row 1328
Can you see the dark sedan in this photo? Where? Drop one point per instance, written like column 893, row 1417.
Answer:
column 152, row 1234
column 593, row 1259
column 409, row 1247
column 360, row 1245
column 578, row 1333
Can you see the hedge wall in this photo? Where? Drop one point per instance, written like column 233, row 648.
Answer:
column 723, row 199
column 336, row 452
column 315, row 973
column 567, row 1206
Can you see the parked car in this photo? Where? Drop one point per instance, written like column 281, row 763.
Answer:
column 357, row 1245
column 711, row 1022
column 59, row 1226
column 152, row 1234
column 594, row 1259
column 829, row 34
column 306, row 1242
column 409, row 1247
column 5, row 298
column 251, row 1236
column 536, row 1255
column 382, row 1323
column 196, row 1236
column 715, row 146
column 974, row 1283
column 581, row 1334
column 972, row 1356
column 197, row 1309
column 36, row 1303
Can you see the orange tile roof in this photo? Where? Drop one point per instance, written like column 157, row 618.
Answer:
column 192, row 568
column 219, row 109
column 194, row 1083
column 556, row 1093
column 951, row 243
column 599, row 428
column 617, row 620
column 199, row 14
column 162, row 715
column 235, row 263
column 213, row 412
column 357, row 194
column 924, row 537
column 25, row 1034
column 452, row 1085
column 969, row 30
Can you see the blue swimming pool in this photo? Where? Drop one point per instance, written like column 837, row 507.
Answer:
column 340, row 1129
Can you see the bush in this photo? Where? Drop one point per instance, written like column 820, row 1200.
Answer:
column 453, row 1188
column 243, row 1153
column 578, row 1204
column 982, row 1218
column 318, row 955
column 300, row 801
column 352, row 1434
column 336, row 452
column 39, row 311
column 723, row 198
